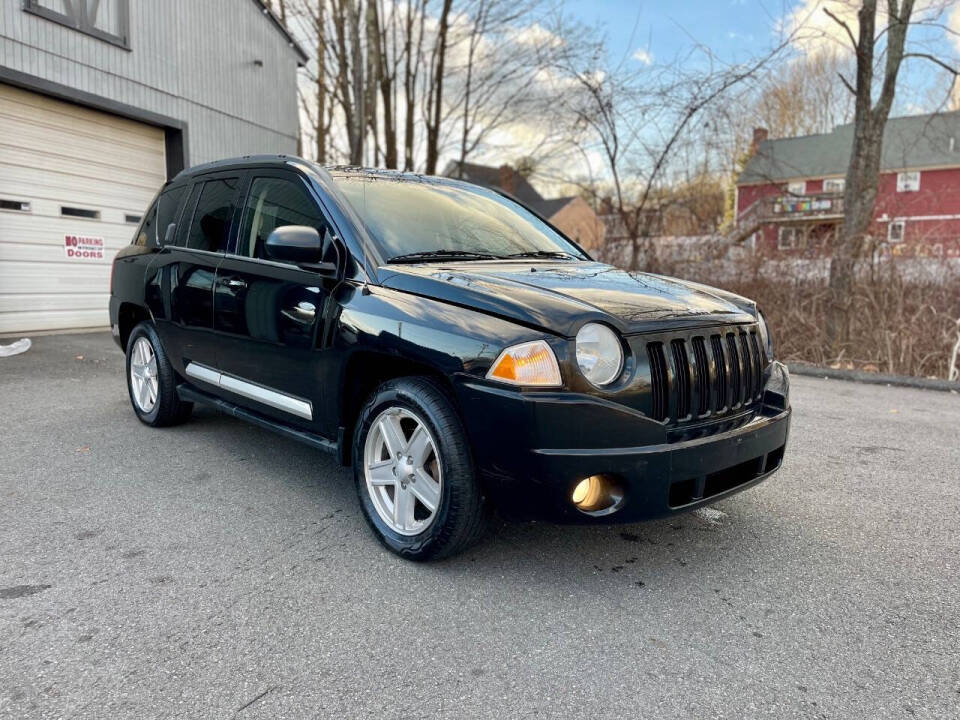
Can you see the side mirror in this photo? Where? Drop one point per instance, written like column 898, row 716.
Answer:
column 297, row 244
column 169, row 233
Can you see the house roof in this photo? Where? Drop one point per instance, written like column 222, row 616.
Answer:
column 489, row 176
column 264, row 7
column 914, row 142
column 549, row 208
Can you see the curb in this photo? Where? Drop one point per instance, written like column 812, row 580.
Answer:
column 874, row 378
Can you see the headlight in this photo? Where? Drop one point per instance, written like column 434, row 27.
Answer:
column 599, row 354
column 765, row 335
column 530, row 363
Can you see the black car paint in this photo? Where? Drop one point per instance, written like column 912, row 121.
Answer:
column 314, row 335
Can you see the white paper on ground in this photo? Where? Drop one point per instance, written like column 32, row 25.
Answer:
column 20, row 346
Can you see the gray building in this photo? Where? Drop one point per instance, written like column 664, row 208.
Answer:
column 100, row 102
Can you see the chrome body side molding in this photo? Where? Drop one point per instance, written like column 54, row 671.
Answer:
column 259, row 393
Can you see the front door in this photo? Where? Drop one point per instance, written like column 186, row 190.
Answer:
column 181, row 289
column 269, row 315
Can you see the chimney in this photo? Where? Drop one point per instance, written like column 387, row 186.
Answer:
column 760, row 134
column 507, row 183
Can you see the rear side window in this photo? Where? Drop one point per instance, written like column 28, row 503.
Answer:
column 147, row 232
column 211, row 219
column 168, row 211
column 274, row 202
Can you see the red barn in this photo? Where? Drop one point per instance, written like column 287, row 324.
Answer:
column 790, row 193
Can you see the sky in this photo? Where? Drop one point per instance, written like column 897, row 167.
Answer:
column 734, row 29
column 660, row 31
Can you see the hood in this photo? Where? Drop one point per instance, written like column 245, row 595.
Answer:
column 560, row 296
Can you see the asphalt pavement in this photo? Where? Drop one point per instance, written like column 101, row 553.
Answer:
column 215, row 570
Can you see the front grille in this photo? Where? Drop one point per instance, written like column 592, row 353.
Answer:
column 705, row 374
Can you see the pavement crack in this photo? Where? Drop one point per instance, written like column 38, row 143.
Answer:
column 259, row 697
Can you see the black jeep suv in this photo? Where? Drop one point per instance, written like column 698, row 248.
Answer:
column 447, row 342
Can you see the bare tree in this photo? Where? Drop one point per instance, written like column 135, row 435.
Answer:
column 433, row 113
column 805, row 97
column 414, row 22
column 639, row 121
column 416, row 77
column 870, row 119
column 500, row 51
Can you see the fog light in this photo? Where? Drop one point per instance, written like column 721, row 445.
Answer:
column 598, row 495
column 587, row 492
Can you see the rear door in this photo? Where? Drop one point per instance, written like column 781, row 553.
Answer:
column 270, row 315
column 185, row 269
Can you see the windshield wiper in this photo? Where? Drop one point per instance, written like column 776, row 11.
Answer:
column 558, row 254
column 442, row 255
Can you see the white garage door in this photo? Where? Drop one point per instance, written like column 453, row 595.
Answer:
column 73, row 185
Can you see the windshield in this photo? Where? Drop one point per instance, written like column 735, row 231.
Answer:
column 414, row 216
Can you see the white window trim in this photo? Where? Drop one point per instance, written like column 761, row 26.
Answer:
column 842, row 182
column 902, row 224
column 901, row 181
column 798, row 187
column 783, row 231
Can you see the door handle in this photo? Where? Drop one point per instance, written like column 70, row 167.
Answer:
column 234, row 283
column 304, row 313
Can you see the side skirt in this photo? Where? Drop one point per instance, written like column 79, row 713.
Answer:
column 187, row 393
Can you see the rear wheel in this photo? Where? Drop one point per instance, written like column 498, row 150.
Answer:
column 151, row 380
column 414, row 473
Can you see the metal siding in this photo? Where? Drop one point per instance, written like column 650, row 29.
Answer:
column 231, row 107
column 189, row 60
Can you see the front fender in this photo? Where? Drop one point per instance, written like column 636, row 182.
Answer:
column 447, row 338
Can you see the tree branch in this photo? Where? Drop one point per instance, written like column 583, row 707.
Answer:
column 844, row 25
column 932, row 58
column 847, row 84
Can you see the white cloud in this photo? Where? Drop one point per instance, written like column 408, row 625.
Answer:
column 814, row 31
column 953, row 23
column 644, row 56
column 535, row 35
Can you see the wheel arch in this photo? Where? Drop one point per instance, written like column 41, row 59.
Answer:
column 364, row 371
column 129, row 315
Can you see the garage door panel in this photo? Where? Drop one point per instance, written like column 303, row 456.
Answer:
column 50, row 254
column 55, row 154
column 56, row 302
column 27, row 278
column 34, row 321
column 51, row 113
column 50, row 231
column 74, row 192
column 139, row 173
column 64, row 140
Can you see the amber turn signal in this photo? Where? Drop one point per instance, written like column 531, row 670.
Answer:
column 531, row 364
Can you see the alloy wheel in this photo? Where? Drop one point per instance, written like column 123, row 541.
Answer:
column 402, row 470
column 144, row 383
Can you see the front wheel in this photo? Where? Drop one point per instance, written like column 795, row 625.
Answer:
column 415, row 477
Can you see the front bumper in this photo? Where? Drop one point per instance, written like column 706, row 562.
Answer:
column 532, row 448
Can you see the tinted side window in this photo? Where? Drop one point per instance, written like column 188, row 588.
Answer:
column 211, row 219
column 168, row 211
column 271, row 203
column 146, row 234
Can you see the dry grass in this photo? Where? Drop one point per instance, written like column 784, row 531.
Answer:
column 904, row 316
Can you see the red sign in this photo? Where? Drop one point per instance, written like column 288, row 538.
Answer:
column 83, row 247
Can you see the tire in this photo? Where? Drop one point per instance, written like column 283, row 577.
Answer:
column 166, row 408
column 461, row 513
